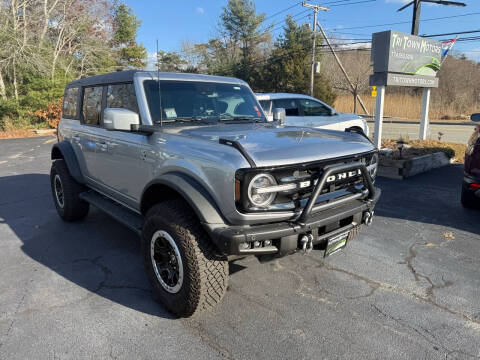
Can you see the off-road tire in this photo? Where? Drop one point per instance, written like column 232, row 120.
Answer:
column 205, row 270
column 469, row 200
column 73, row 208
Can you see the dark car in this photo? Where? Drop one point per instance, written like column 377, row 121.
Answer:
column 471, row 178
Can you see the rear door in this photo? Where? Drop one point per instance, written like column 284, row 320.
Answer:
column 317, row 114
column 292, row 111
column 70, row 128
column 91, row 124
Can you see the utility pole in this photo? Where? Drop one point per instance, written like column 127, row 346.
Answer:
column 316, row 9
column 417, row 4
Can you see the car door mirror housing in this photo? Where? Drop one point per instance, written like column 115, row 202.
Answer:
column 475, row 117
column 279, row 115
column 120, row 119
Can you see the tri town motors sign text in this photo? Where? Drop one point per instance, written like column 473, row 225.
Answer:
column 414, row 60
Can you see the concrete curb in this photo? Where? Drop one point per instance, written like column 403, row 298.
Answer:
column 45, row 132
column 402, row 169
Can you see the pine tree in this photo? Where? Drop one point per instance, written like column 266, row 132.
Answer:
column 288, row 67
column 125, row 26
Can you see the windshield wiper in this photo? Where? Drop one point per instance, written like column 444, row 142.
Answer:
column 240, row 118
column 199, row 119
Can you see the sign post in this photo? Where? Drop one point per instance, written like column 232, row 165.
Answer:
column 404, row 60
column 377, row 139
column 424, row 117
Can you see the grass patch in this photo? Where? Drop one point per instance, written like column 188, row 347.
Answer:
column 404, row 106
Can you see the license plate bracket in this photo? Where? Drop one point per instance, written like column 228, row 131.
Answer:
column 336, row 243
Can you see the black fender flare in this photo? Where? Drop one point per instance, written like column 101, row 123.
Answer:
column 64, row 150
column 194, row 194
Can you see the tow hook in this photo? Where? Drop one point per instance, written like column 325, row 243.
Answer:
column 307, row 243
column 368, row 218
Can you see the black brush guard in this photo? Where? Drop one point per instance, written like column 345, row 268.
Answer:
column 285, row 233
column 310, row 207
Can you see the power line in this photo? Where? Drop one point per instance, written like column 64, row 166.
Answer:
column 452, row 33
column 357, row 2
column 282, row 11
column 280, row 22
column 335, row 2
column 409, row 22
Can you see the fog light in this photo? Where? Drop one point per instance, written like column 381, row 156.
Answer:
column 244, row 246
column 267, row 242
column 256, row 243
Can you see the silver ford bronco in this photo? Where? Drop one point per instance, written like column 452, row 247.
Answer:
column 192, row 165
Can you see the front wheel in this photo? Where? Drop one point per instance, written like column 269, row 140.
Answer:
column 187, row 272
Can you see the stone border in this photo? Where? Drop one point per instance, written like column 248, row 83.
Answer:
column 401, row 169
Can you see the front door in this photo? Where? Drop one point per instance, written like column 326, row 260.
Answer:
column 123, row 162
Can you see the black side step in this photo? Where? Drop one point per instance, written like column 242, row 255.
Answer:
column 120, row 213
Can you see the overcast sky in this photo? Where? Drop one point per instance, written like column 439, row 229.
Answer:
column 196, row 20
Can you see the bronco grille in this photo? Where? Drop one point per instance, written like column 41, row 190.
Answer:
column 305, row 176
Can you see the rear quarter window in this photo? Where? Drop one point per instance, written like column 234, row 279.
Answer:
column 70, row 103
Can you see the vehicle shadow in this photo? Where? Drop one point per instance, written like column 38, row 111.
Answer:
column 98, row 254
column 432, row 197
column 103, row 257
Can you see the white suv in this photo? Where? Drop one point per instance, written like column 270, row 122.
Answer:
column 304, row 110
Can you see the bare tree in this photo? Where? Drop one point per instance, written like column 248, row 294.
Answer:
column 358, row 65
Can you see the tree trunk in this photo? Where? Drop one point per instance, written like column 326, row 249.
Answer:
column 15, row 86
column 24, row 16
column 355, row 101
column 45, row 21
column 54, row 65
column 3, row 92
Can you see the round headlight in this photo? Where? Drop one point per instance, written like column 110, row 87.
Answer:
column 261, row 181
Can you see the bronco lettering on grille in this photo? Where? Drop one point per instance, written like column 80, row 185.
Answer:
column 344, row 175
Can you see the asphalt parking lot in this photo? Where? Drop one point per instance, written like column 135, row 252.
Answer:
column 407, row 288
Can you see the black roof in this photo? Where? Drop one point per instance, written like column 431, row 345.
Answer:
column 127, row 76
column 114, row 77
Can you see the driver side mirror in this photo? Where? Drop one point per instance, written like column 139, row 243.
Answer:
column 475, row 117
column 119, row 119
column 279, row 115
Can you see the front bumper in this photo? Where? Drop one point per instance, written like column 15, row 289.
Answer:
column 284, row 236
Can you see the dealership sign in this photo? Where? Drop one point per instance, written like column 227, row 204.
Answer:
column 405, row 60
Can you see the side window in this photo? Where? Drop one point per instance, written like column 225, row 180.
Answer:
column 92, row 105
column 266, row 106
column 290, row 106
column 122, row 96
column 70, row 105
column 313, row 108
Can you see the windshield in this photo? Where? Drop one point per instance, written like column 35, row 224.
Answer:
column 197, row 101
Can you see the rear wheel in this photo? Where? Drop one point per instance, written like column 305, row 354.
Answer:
column 188, row 273
column 65, row 192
